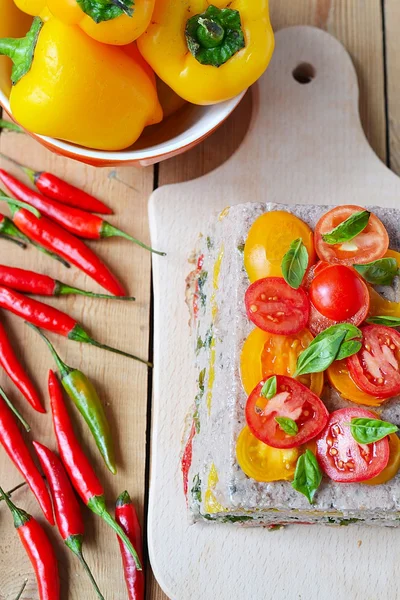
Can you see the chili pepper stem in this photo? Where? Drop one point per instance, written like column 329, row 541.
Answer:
column 21, row 591
column 62, row 289
column 98, row 506
column 62, row 367
column 30, row 172
column 14, row 489
column 20, row 516
column 10, row 126
column 13, row 240
column 14, row 410
column 108, row 230
column 78, row 334
column 74, row 543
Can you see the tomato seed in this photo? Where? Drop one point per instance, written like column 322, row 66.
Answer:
column 280, row 314
column 253, row 308
column 380, row 380
column 270, row 318
column 333, row 451
column 263, row 296
column 340, row 464
column 392, row 347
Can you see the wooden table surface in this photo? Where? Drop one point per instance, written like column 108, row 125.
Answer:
column 369, row 30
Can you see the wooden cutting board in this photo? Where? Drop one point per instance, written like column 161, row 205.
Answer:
column 305, row 145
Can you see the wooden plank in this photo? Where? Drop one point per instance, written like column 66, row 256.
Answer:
column 392, row 25
column 122, row 383
column 356, row 25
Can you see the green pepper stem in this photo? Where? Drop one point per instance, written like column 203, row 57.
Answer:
column 74, row 543
column 14, row 410
column 10, row 126
column 123, row 499
column 14, row 489
column 98, row 506
column 108, row 230
column 13, row 204
column 210, row 33
column 21, row 591
column 62, row 289
column 30, row 172
column 78, row 334
column 20, row 516
column 21, row 50
column 13, row 240
column 62, row 367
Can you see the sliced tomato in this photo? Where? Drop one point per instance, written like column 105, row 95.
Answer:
column 273, row 306
column 268, row 241
column 375, row 369
column 317, row 321
column 265, row 354
column 262, row 462
column 292, row 400
column 369, row 245
column 339, row 293
column 393, row 465
column 341, row 457
column 339, row 377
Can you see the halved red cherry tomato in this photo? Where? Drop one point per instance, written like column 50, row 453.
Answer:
column 338, row 293
column 367, row 246
column 376, row 367
column 273, row 306
column 339, row 378
column 341, row 457
column 317, row 321
column 292, row 400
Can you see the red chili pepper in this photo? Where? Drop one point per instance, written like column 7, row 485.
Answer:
column 16, row 448
column 79, row 469
column 15, row 371
column 46, row 317
column 9, row 231
column 53, row 187
column 126, row 517
column 39, row 550
column 30, row 282
column 75, row 220
column 53, row 237
column 66, row 508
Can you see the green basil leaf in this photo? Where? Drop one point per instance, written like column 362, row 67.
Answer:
column 347, row 230
column 294, row 263
column 287, row 425
column 269, row 388
column 367, row 431
column 378, row 272
column 308, row 475
column 388, row 321
column 334, row 343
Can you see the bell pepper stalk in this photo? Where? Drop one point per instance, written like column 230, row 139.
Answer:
column 103, row 10
column 21, row 50
column 83, row 394
column 215, row 35
column 79, row 469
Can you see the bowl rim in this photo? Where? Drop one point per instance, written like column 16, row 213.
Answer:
column 158, row 150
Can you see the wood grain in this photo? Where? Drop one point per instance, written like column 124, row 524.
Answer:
column 122, row 383
column 392, row 28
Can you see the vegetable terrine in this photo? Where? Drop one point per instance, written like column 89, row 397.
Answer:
column 230, row 473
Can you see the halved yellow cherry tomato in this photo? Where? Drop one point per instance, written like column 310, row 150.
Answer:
column 393, row 465
column 379, row 306
column 339, row 377
column 268, row 241
column 265, row 354
column 262, row 462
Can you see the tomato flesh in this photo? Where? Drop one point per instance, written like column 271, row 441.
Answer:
column 292, row 400
column 367, row 246
column 341, row 457
column 376, row 367
column 393, row 465
column 338, row 293
column 339, row 377
column 273, row 306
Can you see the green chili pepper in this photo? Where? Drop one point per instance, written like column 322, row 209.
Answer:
column 83, row 394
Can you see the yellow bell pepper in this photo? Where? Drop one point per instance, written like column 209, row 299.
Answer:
column 68, row 86
column 116, row 22
column 12, row 23
column 208, row 53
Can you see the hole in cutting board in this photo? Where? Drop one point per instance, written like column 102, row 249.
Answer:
column 304, row 73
